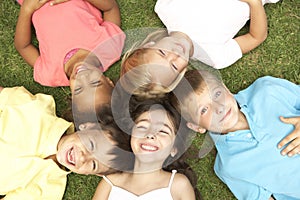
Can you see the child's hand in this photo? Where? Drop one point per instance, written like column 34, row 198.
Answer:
column 54, row 2
column 294, row 137
column 33, row 5
column 251, row 1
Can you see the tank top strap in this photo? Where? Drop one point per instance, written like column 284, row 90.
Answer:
column 174, row 171
column 108, row 181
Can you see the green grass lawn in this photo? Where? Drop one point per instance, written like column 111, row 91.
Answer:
column 278, row 56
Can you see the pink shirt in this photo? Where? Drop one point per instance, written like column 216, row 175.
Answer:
column 67, row 26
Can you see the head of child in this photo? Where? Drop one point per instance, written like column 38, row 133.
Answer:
column 156, row 138
column 96, row 148
column 157, row 64
column 90, row 88
column 205, row 102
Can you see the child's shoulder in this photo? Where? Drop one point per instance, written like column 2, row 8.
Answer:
column 180, row 180
column 181, row 186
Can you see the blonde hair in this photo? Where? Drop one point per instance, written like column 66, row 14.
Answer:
column 135, row 77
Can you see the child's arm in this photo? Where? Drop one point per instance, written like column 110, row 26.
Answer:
column 110, row 9
column 258, row 27
column 293, row 138
column 102, row 191
column 22, row 40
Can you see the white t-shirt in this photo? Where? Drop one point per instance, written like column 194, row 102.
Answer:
column 211, row 24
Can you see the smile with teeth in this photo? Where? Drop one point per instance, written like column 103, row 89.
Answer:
column 71, row 156
column 148, row 147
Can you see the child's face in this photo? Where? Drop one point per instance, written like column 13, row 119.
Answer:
column 214, row 109
column 171, row 54
column 166, row 65
column 153, row 136
column 90, row 88
column 77, row 152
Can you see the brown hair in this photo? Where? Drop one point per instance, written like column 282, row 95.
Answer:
column 194, row 82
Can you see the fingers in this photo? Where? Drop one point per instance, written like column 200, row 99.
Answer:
column 55, row 2
column 290, row 120
column 293, row 139
column 287, row 139
column 292, row 149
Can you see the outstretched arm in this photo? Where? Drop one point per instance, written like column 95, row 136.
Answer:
column 110, row 9
column 22, row 40
column 258, row 27
column 293, row 138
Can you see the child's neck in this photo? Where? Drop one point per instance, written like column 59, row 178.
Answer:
column 79, row 56
column 140, row 167
column 53, row 157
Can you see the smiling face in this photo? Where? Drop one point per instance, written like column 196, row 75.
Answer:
column 171, row 54
column 213, row 109
column 153, row 137
column 90, row 88
column 77, row 152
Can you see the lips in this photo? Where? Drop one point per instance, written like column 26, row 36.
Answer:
column 227, row 114
column 148, row 147
column 70, row 157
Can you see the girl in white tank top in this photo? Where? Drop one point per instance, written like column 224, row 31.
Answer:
column 156, row 144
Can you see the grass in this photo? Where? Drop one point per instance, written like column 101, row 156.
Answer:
column 278, row 56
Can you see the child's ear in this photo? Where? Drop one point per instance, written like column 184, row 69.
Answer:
column 173, row 152
column 195, row 127
column 149, row 44
column 100, row 175
column 110, row 82
column 87, row 125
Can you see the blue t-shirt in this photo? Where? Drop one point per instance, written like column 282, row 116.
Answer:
column 248, row 161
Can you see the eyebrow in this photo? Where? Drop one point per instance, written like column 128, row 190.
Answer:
column 160, row 123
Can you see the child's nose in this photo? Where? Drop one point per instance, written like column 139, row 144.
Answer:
column 150, row 136
column 172, row 56
column 220, row 109
column 84, row 157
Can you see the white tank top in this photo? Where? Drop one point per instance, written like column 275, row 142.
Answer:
column 117, row 193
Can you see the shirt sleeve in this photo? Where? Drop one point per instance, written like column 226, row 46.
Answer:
column 46, row 181
column 218, row 55
column 245, row 190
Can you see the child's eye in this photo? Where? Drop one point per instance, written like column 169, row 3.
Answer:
column 96, row 83
column 77, row 90
column 92, row 146
column 204, row 110
column 162, row 52
column 217, row 94
column 142, row 127
column 174, row 66
column 94, row 165
column 164, row 132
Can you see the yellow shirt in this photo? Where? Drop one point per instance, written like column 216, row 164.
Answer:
column 29, row 132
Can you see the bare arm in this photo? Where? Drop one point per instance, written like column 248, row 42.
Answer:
column 258, row 27
column 102, row 191
column 110, row 9
column 293, row 138
column 22, row 39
